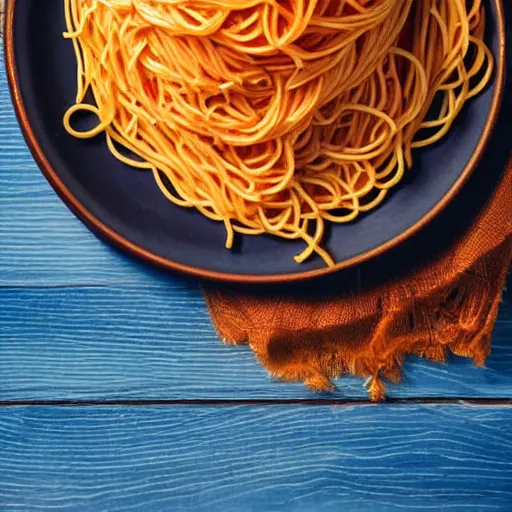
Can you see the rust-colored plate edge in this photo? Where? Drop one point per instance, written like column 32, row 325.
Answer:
column 109, row 235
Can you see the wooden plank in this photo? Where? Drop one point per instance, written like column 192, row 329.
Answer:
column 255, row 458
column 158, row 343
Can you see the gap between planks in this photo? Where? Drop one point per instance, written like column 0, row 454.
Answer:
column 486, row 402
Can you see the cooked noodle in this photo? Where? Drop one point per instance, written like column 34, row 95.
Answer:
column 275, row 116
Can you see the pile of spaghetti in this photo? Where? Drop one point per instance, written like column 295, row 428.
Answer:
column 275, row 116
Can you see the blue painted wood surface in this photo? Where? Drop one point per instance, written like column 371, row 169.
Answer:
column 260, row 459
column 135, row 342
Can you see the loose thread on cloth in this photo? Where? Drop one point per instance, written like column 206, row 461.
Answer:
column 446, row 305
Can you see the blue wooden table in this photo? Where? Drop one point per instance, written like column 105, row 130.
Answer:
column 116, row 394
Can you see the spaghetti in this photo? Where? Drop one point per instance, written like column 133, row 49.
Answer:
column 275, row 116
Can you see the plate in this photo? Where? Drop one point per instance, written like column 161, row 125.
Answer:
column 125, row 207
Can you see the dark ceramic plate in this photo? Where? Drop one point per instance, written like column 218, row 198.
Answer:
column 127, row 209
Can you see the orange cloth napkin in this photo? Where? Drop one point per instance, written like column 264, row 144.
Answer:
column 437, row 293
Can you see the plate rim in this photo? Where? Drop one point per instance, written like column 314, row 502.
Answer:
column 109, row 235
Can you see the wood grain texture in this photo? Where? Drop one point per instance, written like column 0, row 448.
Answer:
column 158, row 343
column 274, row 458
